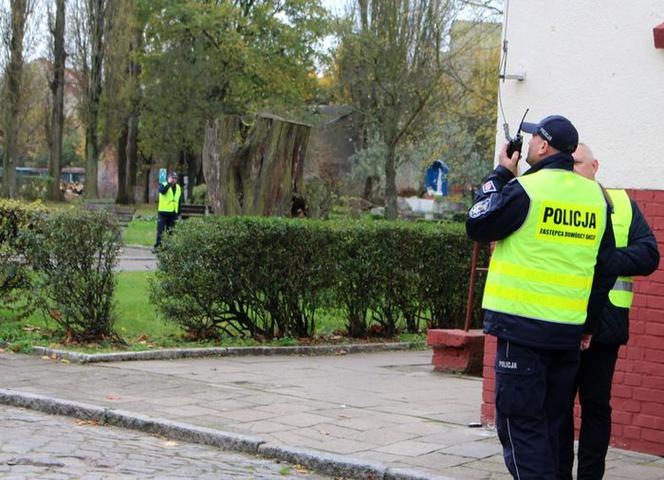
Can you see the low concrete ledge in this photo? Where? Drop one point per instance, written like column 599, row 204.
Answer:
column 175, row 353
column 326, row 463
column 457, row 350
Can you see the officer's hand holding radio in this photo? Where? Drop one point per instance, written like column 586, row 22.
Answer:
column 511, row 152
column 509, row 162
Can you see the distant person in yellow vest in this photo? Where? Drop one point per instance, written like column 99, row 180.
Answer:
column 553, row 237
column 170, row 199
column 637, row 254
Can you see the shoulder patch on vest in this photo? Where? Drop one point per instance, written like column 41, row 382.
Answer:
column 480, row 208
column 489, row 187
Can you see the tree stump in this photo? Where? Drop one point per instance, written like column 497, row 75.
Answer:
column 254, row 170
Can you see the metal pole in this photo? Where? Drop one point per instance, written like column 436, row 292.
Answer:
column 471, row 287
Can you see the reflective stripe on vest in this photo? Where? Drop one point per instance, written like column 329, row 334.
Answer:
column 545, row 269
column 170, row 201
column 622, row 293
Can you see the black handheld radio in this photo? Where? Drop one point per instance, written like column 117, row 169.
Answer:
column 515, row 143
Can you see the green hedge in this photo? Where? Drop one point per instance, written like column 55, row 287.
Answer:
column 16, row 218
column 73, row 254
column 267, row 277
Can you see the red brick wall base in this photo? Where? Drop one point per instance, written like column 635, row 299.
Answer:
column 457, row 350
column 638, row 384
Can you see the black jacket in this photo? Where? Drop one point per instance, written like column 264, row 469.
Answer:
column 500, row 208
column 639, row 257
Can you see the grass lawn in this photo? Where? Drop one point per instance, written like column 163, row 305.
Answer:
column 140, row 232
column 140, row 326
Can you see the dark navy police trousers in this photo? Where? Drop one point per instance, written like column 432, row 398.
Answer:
column 593, row 382
column 533, row 388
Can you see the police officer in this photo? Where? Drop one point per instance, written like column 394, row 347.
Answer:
column 170, row 199
column 553, row 235
column 637, row 254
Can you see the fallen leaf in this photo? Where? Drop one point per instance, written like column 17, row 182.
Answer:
column 64, row 360
column 94, row 423
column 300, row 469
column 113, row 397
column 171, row 443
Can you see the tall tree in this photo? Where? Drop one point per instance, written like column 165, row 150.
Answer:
column 57, row 84
column 91, row 20
column 121, row 97
column 207, row 58
column 135, row 96
column 395, row 66
column 20, row 11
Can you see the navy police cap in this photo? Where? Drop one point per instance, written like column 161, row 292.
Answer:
column 557, row 130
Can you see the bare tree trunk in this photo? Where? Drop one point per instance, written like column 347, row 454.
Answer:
column 58, row 91
column 132, row 157
column 192, row 173
column 391, row 209
column 260, row 175
column 96, row 17
column 145, row 169
column 220, row 148
column 132, row 132
column 13, row 74
column 122, row 194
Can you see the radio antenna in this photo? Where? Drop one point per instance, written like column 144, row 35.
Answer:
column 502, row 71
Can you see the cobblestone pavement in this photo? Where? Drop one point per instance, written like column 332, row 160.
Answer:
column 35, row 445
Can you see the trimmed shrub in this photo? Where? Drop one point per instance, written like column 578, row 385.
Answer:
column 34, row 188
column 15, row 219
column 267, row 277
column 446, row 253
column 259, row 277
column 73, row 254
column 401, row 275
column 199, row 195
column 197, row 285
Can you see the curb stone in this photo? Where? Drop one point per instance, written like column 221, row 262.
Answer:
column 176, row 353
column 326, row 463
column 408, row 474
column 124, row 419
column 322, row 462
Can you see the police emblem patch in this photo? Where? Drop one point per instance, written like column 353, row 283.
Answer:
column 480, row 208
column 489, row 187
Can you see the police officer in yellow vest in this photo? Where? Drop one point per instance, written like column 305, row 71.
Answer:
column 553, row 236
column 170, row 199
column 637, row 254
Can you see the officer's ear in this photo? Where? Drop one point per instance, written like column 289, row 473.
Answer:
column 544, row 148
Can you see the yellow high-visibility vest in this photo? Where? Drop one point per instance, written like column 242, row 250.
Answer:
column 622, row 293
column 170, row 201
column 545, row 269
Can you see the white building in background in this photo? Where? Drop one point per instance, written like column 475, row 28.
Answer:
column 595, row 62
column 601, row 64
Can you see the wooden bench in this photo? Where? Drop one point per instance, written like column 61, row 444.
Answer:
column 124, row 213
column 190, row 210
